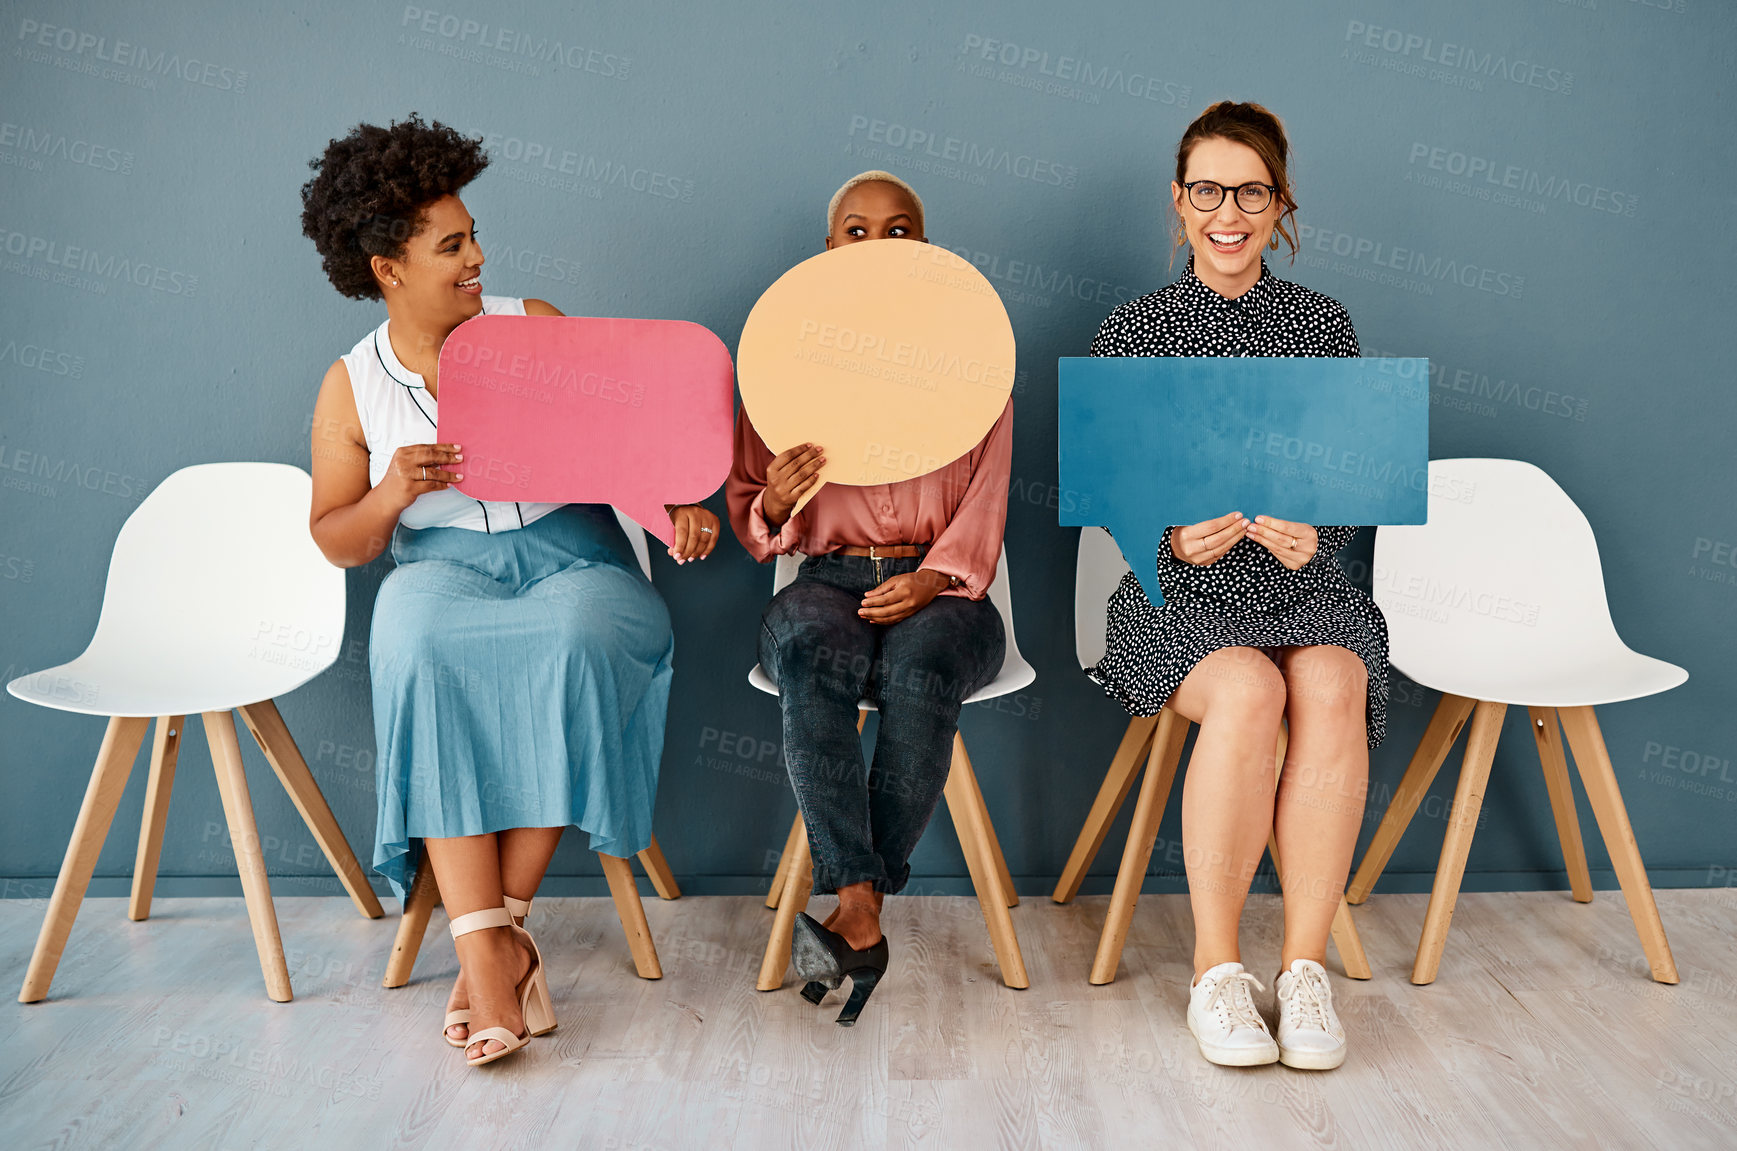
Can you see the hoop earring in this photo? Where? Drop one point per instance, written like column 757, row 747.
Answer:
column 1273, row 242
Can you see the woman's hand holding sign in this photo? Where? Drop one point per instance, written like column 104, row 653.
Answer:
column 788, row 477
column 417, row 469
column 1293, row 544
column 1204, row 542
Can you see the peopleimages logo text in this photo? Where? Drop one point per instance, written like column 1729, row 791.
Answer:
column 921, row 141
column 1522, row 180
column 1410, row 261
column 108, row 266
column 542, row 49
column 1074, row 70
column 1459, row 57
column 34, row 33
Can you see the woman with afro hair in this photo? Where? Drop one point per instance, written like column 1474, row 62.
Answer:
column 520, row 659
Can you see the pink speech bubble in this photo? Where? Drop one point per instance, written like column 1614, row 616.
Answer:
column 574, row 409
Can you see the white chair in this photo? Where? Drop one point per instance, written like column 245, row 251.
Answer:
column 989, row 874
column 1499, row 600
column 1157, row 740
column 424, row 893
column 216, row 598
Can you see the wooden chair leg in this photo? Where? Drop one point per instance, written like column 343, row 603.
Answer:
column 991, row 840
column 249, row 861
column 798, row 877
column 786, row 859
column 1166, row 753
column 419, row 904
column 1349, row 944
column 1432, row 750
column 622, row 889
column 971, row 821
column 1457, row 844
column 657, row 870
column 1547, row 731
column 108, row 779
column 1599, row 779
column 274, row 739
column 165, row 748
column 1112, row 793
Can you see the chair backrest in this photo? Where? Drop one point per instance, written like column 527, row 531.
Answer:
column 1000, row 594
column 1505, row 570
column 636, row 536
column 1097, row 570
column 217, row 569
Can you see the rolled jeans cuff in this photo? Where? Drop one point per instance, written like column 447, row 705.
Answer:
column 854, row 869
column 894, row 884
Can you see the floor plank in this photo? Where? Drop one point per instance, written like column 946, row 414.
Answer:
column 1542, row 1029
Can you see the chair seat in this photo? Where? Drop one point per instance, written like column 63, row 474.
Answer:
column 1568, row 679
column 216, row 597
column 1015, row 674
column 148, row 685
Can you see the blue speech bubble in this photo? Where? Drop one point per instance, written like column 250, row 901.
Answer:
column 1151, row 441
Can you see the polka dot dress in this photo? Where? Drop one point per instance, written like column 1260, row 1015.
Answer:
column 1247, row 598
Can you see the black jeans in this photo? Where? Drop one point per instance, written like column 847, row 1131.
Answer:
column 864, row 822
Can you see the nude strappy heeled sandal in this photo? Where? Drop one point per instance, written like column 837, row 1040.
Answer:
column 520, row 910
column 533, row 989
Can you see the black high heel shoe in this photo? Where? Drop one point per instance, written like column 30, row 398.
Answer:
column 823, row 958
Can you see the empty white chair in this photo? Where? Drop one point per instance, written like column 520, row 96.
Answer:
column 1156, row 741
column 424, row 893
column 217, row 598
column 1499, row 600
column 989, row 874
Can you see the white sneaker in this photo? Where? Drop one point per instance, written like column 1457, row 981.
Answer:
column 1310, row 1035
column 1223, row 1018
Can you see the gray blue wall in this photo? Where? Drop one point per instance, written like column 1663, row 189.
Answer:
column 1536, row 195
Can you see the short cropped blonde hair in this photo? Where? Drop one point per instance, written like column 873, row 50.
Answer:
column 873, row 176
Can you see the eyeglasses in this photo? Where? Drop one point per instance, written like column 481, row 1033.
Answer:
column 1207, row 195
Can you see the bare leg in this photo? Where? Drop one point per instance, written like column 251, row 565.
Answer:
column 1321, row 790
column 858, row 917
column 468, row 869
column 1236, row 695
column 524, row 857
column 880, row 899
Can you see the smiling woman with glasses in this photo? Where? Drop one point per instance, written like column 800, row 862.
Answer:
column 1258, row 622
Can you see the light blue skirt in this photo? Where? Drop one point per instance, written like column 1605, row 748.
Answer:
column 520, row 680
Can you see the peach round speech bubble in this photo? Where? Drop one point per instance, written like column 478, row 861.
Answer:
column 895, row 356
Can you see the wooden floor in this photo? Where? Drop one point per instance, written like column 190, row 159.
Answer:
column 1543, row 1030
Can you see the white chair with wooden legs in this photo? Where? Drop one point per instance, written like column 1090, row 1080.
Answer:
column 983, row 858
column 1154, row 741
column 1499, row 601
column 216, row 599
column 424, row 893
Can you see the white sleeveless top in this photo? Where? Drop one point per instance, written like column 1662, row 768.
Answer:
column 396, row 409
